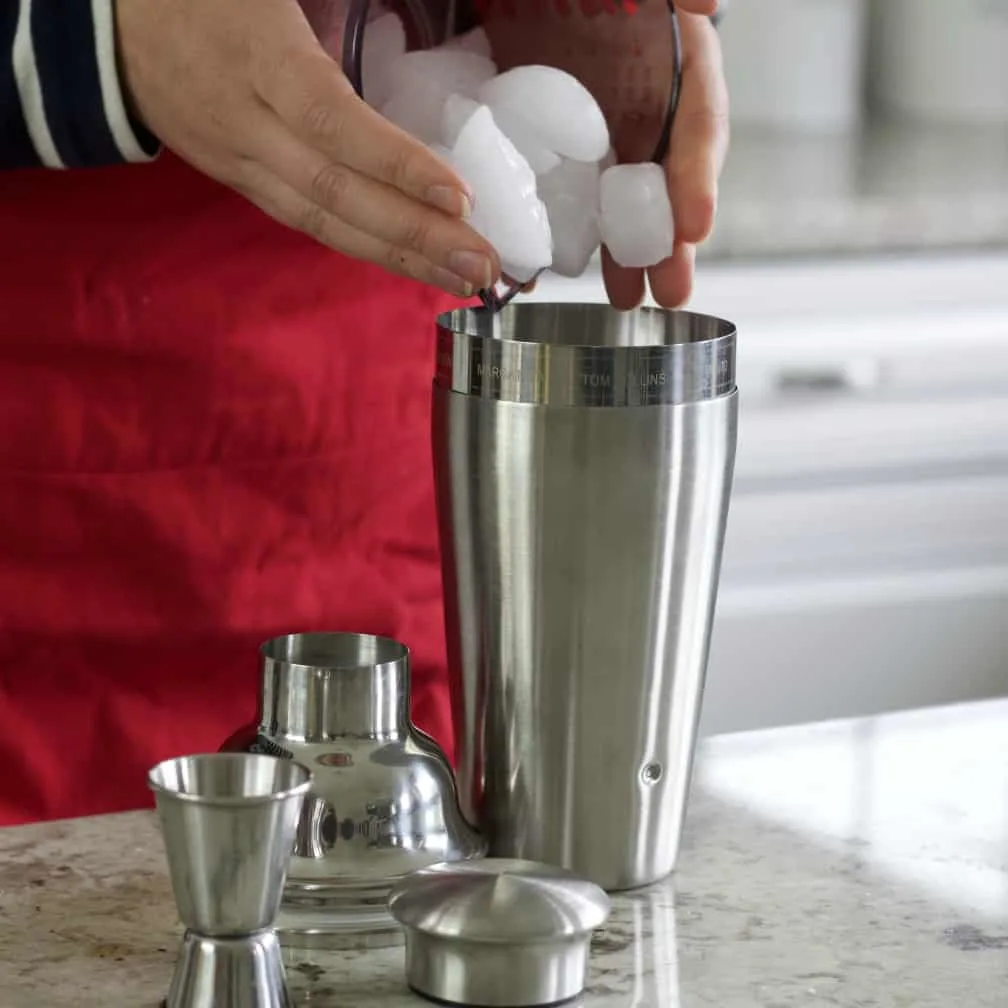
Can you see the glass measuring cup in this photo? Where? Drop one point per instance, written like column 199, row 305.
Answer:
column 340, row 26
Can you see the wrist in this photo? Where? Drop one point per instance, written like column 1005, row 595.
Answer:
column 135, row 139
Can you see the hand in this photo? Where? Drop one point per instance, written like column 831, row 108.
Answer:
column 626, row 59
column 693, row 165
column 243, row 91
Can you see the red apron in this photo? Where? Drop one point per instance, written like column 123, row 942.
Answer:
column 211, row 431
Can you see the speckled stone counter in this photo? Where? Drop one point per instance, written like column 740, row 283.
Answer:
column 859, row 864
column 890, row 187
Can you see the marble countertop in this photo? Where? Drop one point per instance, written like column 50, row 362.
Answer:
column 859, row 864
column 890, row 187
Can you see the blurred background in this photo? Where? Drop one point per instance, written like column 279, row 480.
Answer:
column 862, row 250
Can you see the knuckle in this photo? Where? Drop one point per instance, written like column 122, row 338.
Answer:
column 330, row 186
column 315, row 117
column 395, row 168
column 701, row 140
column 416, row 233
column 313, row 222
column 708, row 123
column 323, row 119
column 395, row 259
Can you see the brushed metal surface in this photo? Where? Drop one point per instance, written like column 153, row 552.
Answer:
column 228, row 822
column 585, row 355
column 581, row 548
column 245, row 972
column 498, row 932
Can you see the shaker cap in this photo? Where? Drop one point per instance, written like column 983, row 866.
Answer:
column 499, row 901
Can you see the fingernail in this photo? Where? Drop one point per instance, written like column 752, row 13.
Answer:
column 451, row 201
column 474, row 266
column 456, row 285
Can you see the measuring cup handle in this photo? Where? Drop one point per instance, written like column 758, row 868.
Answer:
column 666, row 135
column 353, row 43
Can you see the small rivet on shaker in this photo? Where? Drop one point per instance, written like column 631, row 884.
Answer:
column 652, row 773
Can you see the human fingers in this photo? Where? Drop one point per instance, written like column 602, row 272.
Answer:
column 375, row 208
column 705, row 7
column 700, row 133
column 697, row 150
column 671, row 281
column 285, row 204
column 624, row 286
column 315, row 100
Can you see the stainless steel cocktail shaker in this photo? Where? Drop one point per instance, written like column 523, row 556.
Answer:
column 382, row 801
column 584, row 459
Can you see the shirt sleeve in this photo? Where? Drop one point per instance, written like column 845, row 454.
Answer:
column 61, row 98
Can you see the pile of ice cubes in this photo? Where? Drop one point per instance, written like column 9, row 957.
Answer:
column 534, row 147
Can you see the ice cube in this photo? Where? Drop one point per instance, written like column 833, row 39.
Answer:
column 418, row 113
column 571, row 195
column 384, row 43
column 456, row 113
column 636, row 215
column 520, row 274
column 441, row 151
column 555, row 107
column 421, row 83
column 540, row 158
column 474, row 41
column 450, row 71
column 506, row 209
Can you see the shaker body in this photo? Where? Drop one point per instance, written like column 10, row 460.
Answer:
column 581, row 535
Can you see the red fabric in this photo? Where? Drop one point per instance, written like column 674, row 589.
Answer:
column 211, row 431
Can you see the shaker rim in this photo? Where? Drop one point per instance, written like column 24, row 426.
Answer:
column 387, row 651
column 569, row 354
column 517, row 323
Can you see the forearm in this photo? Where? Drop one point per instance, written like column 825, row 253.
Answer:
column 61, row 102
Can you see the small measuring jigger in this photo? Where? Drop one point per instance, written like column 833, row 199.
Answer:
column 228, row 822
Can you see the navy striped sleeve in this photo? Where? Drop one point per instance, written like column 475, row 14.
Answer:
column 16, row 147
column 61, row 100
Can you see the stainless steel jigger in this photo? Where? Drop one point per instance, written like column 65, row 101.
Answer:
column 228, row 822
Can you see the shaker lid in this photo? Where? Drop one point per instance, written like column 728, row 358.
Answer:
column 499, row 901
